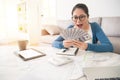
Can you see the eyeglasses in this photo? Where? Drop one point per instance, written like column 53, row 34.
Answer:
column 81, row 18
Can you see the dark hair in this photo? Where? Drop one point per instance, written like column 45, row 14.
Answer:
column 81, row 6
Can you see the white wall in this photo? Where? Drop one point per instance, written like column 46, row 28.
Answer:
column 32, row 12
column 47, row 8
column 2, row 15
column 8, row 15
column 8, row 20
column 39, row 12
column 97, row 8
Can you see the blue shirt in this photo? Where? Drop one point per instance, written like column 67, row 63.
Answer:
column 98, row 35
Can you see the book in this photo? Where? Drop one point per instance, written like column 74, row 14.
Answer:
column 30, row 54
column 68, row 51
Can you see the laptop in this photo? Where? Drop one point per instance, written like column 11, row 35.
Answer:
column 102, row 73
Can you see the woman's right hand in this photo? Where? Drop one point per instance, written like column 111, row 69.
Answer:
column 68, row 43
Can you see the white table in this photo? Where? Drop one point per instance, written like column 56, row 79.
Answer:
column 14, row 68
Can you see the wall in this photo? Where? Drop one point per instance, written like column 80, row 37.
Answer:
column 8, row 20
column 47, row 11
column 39, row 12
column 2, row 16
column 96, row 8
column 32, row 11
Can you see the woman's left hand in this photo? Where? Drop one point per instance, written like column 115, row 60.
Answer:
column 79, row 44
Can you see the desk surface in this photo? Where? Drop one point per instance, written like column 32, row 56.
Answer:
column 14, row 68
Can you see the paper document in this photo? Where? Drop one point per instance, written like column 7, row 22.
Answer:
column 59, row 60
column 77, row 72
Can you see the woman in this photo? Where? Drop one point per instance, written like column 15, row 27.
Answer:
column 80, row 16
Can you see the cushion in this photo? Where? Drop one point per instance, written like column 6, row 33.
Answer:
column 111, row 26
column 48, row 38
column 95, row 19
column 44, row 32
column 52, row 29
column 64, row 23
column 116, row 43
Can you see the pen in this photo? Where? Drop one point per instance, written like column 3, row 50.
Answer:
column 64, row 50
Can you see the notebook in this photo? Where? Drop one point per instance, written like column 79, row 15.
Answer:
column 68, row 51
column 30, row 54
column 102, row 73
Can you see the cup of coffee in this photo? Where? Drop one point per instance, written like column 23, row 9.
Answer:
column 22, row 44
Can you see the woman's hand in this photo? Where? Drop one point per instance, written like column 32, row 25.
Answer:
column 78, row 44
column 75, row 43
column 68, row 43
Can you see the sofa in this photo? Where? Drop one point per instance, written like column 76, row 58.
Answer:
column 110, row 25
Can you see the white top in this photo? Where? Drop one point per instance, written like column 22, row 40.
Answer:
column 90, row 33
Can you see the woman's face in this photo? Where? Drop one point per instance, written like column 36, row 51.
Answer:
column 80, row 18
